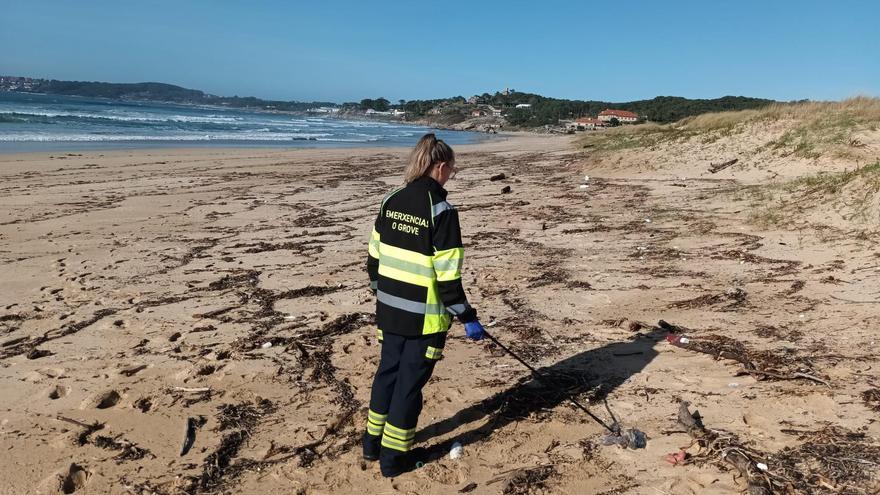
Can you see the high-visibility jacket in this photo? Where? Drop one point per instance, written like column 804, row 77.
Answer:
column 414, row 262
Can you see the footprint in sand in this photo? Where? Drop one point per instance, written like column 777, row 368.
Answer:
column 58, row 392
column 144, row 404
column 76, row 479
column 104, row 400
column 207, row 369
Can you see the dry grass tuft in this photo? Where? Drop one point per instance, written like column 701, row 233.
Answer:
column 854, row 194
column 814, row 128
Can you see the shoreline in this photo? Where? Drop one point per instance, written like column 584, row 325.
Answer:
column 234, row 147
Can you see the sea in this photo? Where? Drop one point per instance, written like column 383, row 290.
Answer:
column 40, row 122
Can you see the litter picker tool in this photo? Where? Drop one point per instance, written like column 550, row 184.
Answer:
column 627, row 438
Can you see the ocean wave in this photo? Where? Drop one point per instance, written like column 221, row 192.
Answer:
column 24, row 114
column 245, row 136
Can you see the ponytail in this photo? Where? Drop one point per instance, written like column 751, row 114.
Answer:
column 428, row 152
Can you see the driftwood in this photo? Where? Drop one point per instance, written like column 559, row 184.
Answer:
column 722, row 446
column 830, row 461
column 760, row 365
column 718, row 167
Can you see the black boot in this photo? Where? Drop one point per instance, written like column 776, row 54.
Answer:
column 372, row 447
column 397, row 463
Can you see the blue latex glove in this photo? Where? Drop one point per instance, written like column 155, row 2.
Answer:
column 474, row 330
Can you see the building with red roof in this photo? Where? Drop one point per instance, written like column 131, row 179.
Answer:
column 621, row 115
column 585, row 123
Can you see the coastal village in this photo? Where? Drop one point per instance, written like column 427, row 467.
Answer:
column 479, row 113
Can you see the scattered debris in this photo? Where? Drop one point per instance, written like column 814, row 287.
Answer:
column 505, row 190
column 87, row 429
column 872, row 398
column 523, row 481
column 832, row 460
column 38, row 353
column 715, row 168
column 128, row 450
column 722, row 447
column 735, row 295
column 468, row 488
column 496, row 177
column 189, row 433
column 132, row 369
column 456, row 451
column 760, row 364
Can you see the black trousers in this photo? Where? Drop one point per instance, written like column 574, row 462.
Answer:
column 396, row 397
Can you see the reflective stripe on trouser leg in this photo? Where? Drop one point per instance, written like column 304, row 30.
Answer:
column 398, row 439
column 415, row 370
column 434, row 353
column 383, row 383
column 375, row 423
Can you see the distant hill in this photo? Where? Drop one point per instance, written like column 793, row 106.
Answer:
column 541, row 110
column 148, row 91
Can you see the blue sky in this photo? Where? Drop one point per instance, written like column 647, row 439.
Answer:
column 348, row 50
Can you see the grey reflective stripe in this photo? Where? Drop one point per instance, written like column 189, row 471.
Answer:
column 456, row 309
column 406, row 266
column 388, row 196
column 410, row 306
column 446, row 265
column 441, row 207
column 374, row 285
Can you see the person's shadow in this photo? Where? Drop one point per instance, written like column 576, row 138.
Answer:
column 594, row 373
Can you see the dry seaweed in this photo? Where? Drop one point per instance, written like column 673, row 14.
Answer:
column 830, row 461
column 525, row 481
column 872, row 398
column 760, row 364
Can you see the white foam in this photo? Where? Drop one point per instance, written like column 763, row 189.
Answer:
column 245, row 136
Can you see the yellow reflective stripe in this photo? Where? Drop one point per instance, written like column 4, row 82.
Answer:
column 374, row 430
column 391, row 443
column 400, row 433
column 380, row 336
column 447, row 264
column 404, row 276
column 378, row 418
column 374, row 244
column 433, row 352
column 406, row 255
column 406, row 266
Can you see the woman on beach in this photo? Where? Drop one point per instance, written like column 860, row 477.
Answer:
column 414, row 264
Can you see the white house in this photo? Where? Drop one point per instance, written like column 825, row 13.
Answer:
column 524, row 105
column 585, row 123
column 622, row 116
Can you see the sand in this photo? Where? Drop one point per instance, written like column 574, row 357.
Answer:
column 147, row 290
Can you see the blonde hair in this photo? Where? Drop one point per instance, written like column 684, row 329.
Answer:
column 428, row 152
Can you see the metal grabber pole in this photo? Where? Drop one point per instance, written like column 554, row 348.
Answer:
column 540, row 377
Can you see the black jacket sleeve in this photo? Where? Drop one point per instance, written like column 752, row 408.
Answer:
column 448, row 258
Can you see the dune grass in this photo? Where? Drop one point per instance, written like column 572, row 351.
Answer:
column 855, row 193
column 816, row 128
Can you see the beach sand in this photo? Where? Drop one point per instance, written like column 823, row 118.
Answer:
column 145, row 291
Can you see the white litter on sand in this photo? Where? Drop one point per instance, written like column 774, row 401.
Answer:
column 456, row 451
